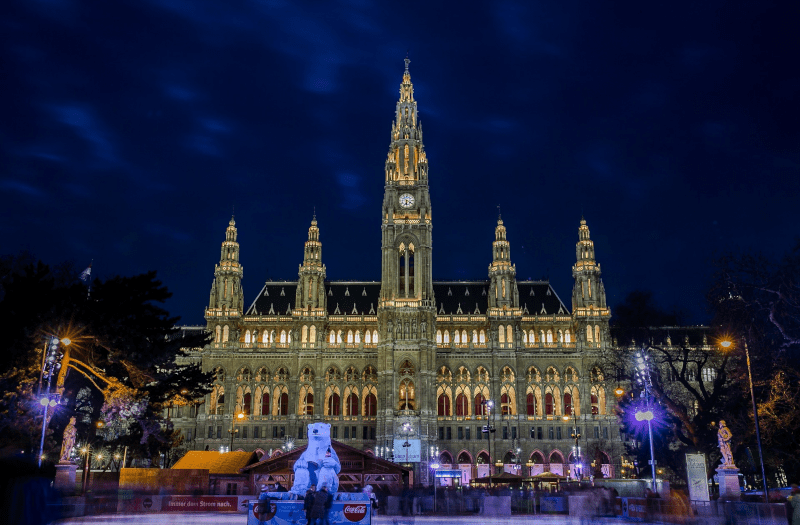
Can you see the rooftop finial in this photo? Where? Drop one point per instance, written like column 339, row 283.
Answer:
column 499, row 215
column 407, row 61
column 315, row 213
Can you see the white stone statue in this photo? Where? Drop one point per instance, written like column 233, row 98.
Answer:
column 68, row 441
column 724, row 436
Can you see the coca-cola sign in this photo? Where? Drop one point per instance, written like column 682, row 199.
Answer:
column 355, row 511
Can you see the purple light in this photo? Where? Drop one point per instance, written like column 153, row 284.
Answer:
column 639, row 413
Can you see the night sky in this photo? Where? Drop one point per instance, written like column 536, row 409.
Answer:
column 130, row 130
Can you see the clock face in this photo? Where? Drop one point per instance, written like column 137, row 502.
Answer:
column 406, row 200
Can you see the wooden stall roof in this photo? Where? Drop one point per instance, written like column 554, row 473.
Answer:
column 358, row 468
column 352, row 460
column 216, row 462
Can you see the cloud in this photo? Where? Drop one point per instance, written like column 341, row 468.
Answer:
column 20, row 187
column 86, row 125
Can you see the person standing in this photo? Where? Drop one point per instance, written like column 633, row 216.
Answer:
column 794, row 501
column 319, row 509
column 308, row 503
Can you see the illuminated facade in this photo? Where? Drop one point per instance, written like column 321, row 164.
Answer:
column 369, row 357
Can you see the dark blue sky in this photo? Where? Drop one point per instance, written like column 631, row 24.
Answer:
column 128, row 130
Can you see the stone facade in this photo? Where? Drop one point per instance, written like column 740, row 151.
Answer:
column 409, row 358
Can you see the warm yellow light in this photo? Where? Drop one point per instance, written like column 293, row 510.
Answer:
column 725, row 343
column 241, row 415
column 619, row 391
column 565, row 418
column 84, row 450
column 100, row 456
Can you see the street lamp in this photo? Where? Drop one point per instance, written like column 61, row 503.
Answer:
column 727, row 344
column 234, row 430
column 576, row 450
column 407, row 429
column 644, row 379
column 488, row 429
column 51, row 361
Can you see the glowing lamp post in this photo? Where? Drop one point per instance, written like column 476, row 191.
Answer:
column 727, row 344
column 643, row 376
column 51, row 361
column 234, row 430
column 488, row 429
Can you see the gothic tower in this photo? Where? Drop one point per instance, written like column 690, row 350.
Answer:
column 226, row 299
column 310, row 295
column 589, row 294
column 406, row 311
column 503, row 292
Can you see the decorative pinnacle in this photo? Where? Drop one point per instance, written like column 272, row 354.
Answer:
column 499, row 216
column 407, row 61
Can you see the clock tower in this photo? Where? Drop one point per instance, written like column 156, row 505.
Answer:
column 406, row 311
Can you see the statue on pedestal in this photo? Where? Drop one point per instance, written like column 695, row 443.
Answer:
column 68, row 442
column 724, row 436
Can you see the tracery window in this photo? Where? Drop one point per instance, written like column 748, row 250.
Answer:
column 407, row 392
column 225, row 333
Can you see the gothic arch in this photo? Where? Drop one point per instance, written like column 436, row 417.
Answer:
column 464, row 455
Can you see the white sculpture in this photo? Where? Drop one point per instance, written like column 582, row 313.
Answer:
column 319, row 463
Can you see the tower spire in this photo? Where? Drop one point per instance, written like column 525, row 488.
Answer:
column 588, row 294
column 502, row 274
column 227, row 298
column 311, row 275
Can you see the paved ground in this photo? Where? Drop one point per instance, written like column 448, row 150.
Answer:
column 196, row 518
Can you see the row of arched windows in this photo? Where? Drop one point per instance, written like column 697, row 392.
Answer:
column 555, row 396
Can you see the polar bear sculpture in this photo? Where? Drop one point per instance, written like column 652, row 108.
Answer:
column 319, row 463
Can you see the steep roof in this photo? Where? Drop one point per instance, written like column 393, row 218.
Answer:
column 452, row 298
column 216, row 462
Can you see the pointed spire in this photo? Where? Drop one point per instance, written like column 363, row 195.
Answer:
column 406, row 160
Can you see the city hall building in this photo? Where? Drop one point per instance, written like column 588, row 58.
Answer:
column 411, row 369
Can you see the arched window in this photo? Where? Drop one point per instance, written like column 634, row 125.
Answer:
column 474, row 337
column 530, row 404
column 339, row 337
column 368, row 337
column 407, row 394
column 247, row 404
column 597, row 334
column 283, row 336
column 438, row 337
column 358, row 337
column 549, row 336
column 446, row 337
column 265, row 404
column 218, row 334
column 464, row 339
column 509, row 335
column 501, row 334
column 560, row 336
column 483, row 337
column 225, row 333
column 283, row 404
column 505, row 405
column 443, row 405
column 548, row 404
column 567, row 404
column 457, row 337
column 312, row 334
column 462, row 405
column 480, row 407
column 524, row 337
column 370, row 405
column 349, row 336
column 332, row 338
column 309, row 403
column 334, row 404
column 589, row 335
column 374, row 337
column 567, row 337
column 541, row 336
column 352, row 405
column 304, row 334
